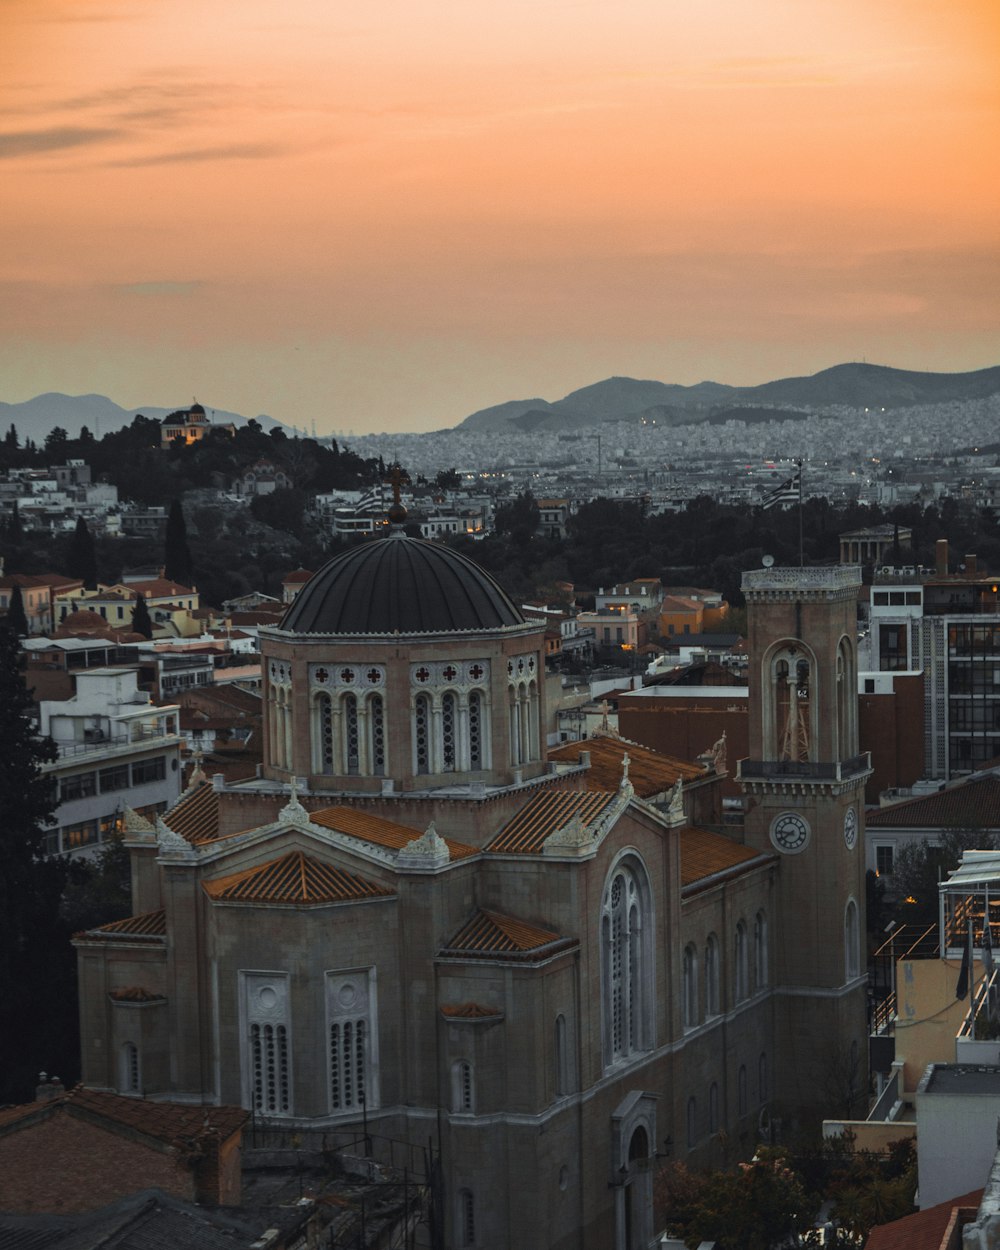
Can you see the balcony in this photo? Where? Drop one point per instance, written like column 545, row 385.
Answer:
column 140, row 736
column 804, row 770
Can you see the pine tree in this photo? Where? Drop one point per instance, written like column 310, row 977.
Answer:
column 141, row 621
column 16, row 619
column 82, row 561
column 176, row 554
column 35, row 963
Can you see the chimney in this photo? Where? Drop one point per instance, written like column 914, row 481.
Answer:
column 970, row 565
column 941, row 557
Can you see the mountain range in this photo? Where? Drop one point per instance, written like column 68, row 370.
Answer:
column 843, row 386
column 614, row 399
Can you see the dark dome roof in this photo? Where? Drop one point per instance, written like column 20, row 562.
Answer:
column 399, row 584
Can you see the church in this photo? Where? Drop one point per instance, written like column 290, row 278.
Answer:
column 561, row 973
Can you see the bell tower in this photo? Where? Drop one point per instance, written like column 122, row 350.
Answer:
column 803, row 789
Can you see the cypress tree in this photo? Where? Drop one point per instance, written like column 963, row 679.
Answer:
column 16, row 619
column 176, row 554
column 82, row 561
column 141, row 621
column 15, row 530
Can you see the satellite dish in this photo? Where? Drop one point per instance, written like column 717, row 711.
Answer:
column 767, row 561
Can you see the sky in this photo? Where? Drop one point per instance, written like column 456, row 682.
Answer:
column 385, row 215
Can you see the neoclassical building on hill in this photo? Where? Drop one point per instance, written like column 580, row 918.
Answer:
column 554, row 968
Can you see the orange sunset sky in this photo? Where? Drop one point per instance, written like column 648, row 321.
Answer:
column 384, row 215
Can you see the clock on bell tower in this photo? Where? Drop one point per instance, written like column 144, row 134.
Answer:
column 803, row 788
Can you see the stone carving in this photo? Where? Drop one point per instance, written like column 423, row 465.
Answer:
column 573, row 836
column 134, row 825
column 428, row 851
column 169, row 842
column 675, row 806
column 293, row 812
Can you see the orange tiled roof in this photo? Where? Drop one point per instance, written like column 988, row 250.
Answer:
column 490, row 933
column 294, row 879
column 369, row 828
column 703, row 854
column 196, row 816
column 545, row 813
column 974, row 804
column 135, row 994
column 649, row 771
column 924, row 1230
column 469, row 1011
column 151, row 926
column 176, row 1125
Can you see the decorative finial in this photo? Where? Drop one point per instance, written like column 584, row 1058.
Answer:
column 625, row 763
column 397, row 513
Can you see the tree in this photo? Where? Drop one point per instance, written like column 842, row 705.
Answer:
column 16, row 619
column 448, row 479
column 35, row 958
column 15, row 531
column 81, row 561
column 55, row 443
column 141, row 621
column 919, row 866
column 176, row 554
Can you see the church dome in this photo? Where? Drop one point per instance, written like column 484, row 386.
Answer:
column 400, row 585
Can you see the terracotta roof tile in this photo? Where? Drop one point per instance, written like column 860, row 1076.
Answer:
column 369, row 828
column 972, row 804
column 545, row 813
column 469, row 1011
column 177, row 1125
column 196, row 816
column 294, row 879
column 489, row 933
column 924, row 1230
column 151, row 926
column 649, row 771
column 136, row 994
column 703, row 854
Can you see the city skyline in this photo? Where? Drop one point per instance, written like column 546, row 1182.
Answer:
column 387, row 218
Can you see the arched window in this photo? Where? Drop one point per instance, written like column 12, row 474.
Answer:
column 692, row 1122
column 713, row 1108
column 352, row 735
column 626, row 960
column 466, row 1218
column 129, row 1079
column 562, row 1058
column 449, row 733
column 760, row 969
column 762, row 1079
column 740, row 979
column 422, row 733
column 847, row 700
column 852, row 955
column 789, row 703
column 476, row 752
column 712, row 976
column 462, row 1087
column 741, row 1088
column 323, row 733
column 376, row 734
column 690, row 1003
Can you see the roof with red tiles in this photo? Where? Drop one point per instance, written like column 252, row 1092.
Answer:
column 196, row 816
column 491, row 934
column 972, row 804
column 151, row 926
column 296, row 879
column 924, row 1230
column 296, row 576
column 525, row 834
column 155, row 588
column 703, row 854
column 177, row 1126
column 649, row 771
column 376, row 829
column 136, row 994
column 469, row 1011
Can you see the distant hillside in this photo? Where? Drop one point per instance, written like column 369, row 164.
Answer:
column 36, row 418
column 843, row 386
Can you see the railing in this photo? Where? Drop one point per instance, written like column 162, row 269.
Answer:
column 886, row 1100
column 139, row 734
column 883, row 1014
column 815, row 770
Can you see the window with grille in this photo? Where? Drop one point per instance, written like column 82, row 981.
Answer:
column 712, row 996
column 421, row 732
column 267, row 1059
column 475, row 730
column 130, row 1076
column 626, row 961
column 467, row 1218
column 760, row 958
column 462, row 1086
column 376, row 726
column 741, row 981
column 350, row 1030
column 325, row 727
column 448, row 733
column 352, row 736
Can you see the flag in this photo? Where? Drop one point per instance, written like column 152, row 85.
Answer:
column 789, row 492
column 963, row 977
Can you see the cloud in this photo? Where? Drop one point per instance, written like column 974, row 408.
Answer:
column 226, row 152
column 56, row 139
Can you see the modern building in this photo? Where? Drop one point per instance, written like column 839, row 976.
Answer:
column 416, row 925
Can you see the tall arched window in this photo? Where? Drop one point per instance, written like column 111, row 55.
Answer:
column 790, row 703
column 626, row 960
column 449, row 733
column 422, row 733
column 713, row 1108
column 476, row 752
column 692, row 1122
column 466, row 1218
column 691, row 1014
column 852, row 953
column 762, row 1078
column 323, row 751
column 741, row 1088
column 760, row 956
column 129, row 1081
column 462, row 1087
column 562, row 1058
column 352, row 735
column 712, row 976
column 740, row 978
column 847, row 700
column 376, row 735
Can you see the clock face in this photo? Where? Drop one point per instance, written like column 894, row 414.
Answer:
column 850, row 828
column 789, row 832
